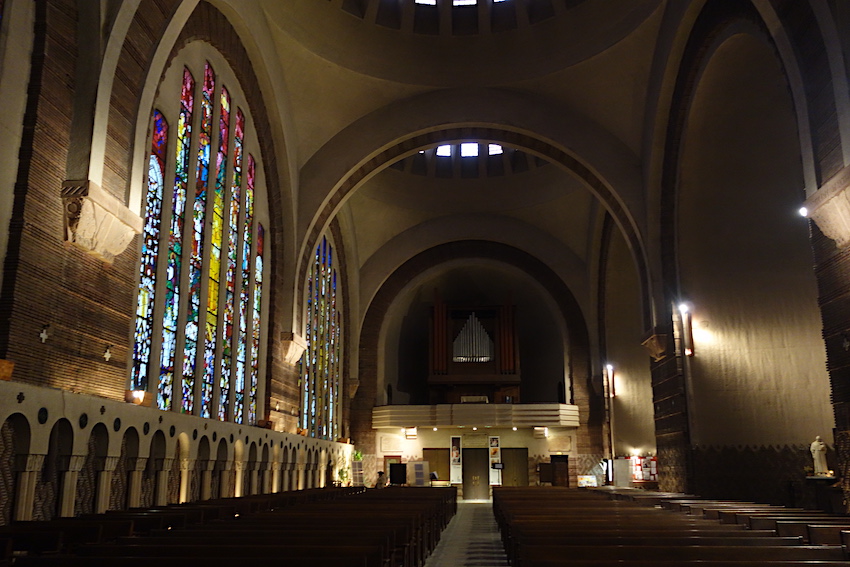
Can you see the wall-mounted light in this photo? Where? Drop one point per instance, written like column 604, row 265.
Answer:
column 409, row 432
column 514, row 428
column 541, row 432
column 804, row 212
column 609, row 380
column 687, row 329
column 435, row 429
column 134, row 397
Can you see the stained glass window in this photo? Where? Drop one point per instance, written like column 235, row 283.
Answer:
column 232, row 248
column 208, row 307
column 320, row 364
column 174, row 258
column 150, row 254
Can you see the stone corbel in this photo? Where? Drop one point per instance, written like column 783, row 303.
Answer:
column 829, row 208
column 292, row 346
column 656, row 344
column 96, row 221
column 353, row 385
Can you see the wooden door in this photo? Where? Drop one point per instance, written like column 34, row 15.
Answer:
column 438, row 462
column 476, row 474
column 515, row 471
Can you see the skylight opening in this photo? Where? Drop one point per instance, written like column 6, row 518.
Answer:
column 494, row 149
column 469, row 149
column 444, row 150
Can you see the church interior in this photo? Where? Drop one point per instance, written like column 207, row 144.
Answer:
column 271, row 246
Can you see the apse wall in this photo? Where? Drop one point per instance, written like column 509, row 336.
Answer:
column 757, row 380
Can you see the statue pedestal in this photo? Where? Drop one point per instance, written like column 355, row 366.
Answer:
column 819, row 494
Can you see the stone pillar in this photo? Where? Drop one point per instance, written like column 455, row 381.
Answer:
column 27, row 468
column 186, row 468
column 226, row 481
column 105, row 468
column 135, row 468
column 162, row 466
column 275, row 477
column 238, row 473
column 207, row 468
column 69, row 467
column 300, row 476
column 254, row 477
column 286, row 469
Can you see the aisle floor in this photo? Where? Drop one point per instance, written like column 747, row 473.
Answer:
column 471, row 539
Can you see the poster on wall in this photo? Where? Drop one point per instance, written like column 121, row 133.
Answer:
column 456, row 462
column 495, row 458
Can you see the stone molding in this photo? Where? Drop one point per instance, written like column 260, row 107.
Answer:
column 829, row 208
column 96, row 221
column 292, row 346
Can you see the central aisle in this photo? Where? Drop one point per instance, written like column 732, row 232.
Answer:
column 471, row 539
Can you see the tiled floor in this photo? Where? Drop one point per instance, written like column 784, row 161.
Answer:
column 471, row 539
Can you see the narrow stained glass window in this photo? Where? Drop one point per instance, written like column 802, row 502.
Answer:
column 196, row 257
column 175, row 245
column 216, row 243
column 150, row 252
column 255, row 325
column 231, row 275
column 320, row 368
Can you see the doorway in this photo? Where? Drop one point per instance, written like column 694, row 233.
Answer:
column 476, row 474
column 515, row 471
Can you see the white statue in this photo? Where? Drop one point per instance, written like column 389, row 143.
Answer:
column 818, row 450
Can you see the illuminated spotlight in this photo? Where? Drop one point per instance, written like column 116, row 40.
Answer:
column 435, row 429
column 683, row 308
column 804, row 212
column 514, row 428
column 475, row 429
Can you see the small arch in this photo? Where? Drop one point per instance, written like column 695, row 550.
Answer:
column 85, row 500
column 48, row 495
column 119, row 491
column 14, row 446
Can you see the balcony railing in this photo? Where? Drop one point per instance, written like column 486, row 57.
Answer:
column 477, row 415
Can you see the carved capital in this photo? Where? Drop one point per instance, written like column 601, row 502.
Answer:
column 106, row 463
column 656, row 344
column 829, row 208
column 96, row 221
column 137, row 464
column 29, row 463
column 292, row 346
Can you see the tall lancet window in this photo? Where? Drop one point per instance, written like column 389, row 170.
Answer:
column 199, row 338
column 321, row 364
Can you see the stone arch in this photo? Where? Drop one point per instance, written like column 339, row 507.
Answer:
column 200, row 475
column 14, row 449
column 579, row 353
column 251, row 471
column 568, row 141
column 49, row 495
column 152, row 486
column 85, row 501
column 221, row 485
column 755, row 188
column 127, row 459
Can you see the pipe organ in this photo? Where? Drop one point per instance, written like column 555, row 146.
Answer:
column 474, row 354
